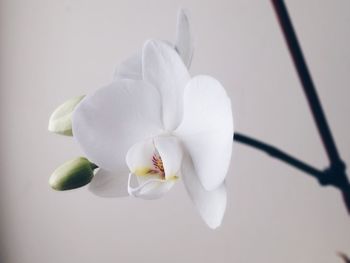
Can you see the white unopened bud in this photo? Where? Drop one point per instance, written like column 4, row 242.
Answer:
column 61, row 119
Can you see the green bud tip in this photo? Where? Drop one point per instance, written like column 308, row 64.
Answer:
column 72, row 174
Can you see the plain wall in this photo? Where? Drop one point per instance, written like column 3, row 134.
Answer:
column 53, row 50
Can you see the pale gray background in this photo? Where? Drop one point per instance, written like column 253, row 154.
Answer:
column 52, row 50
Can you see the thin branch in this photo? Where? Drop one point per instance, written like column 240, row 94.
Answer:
column 344, row 257
column 306, row 81
column 327, row 177
column 335, row 175
column 278, row 154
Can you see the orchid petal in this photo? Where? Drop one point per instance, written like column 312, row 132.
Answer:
column 211, row 205
column 207, row 129
column 184, row 41
column 108, row 122
column 163, row 68
column 110, row 184
column 131, row 68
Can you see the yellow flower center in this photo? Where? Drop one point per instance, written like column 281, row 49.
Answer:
column 157, row 169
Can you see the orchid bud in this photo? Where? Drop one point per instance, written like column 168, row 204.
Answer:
column 61, row 119
column 72, row 174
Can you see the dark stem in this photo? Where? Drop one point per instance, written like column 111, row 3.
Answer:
column 326, row 177
column 335, row 175
column 343, row 256
column 278, row 154
column 306, row 81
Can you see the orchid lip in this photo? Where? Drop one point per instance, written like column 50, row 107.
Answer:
column 151, row 188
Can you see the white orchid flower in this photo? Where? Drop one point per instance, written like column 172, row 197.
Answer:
column 147, row 134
